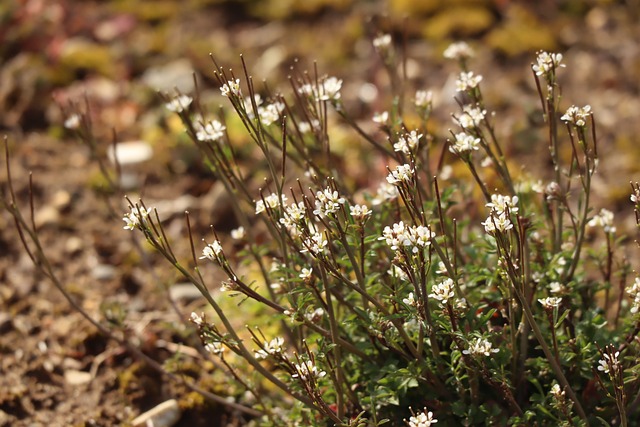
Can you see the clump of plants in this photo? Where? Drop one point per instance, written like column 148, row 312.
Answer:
column 395, row 306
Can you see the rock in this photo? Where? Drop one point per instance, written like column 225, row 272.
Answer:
column 73, row 377
column 103, row 272
column 165, row 414
column 184, row 292
column 47, row 215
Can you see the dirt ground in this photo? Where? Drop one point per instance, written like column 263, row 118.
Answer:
column 55, row 368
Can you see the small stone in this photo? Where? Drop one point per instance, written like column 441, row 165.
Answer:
column 48, row 215
column 61, row 200
column 73, row 377
column 103, row 272
column 184, row 292
column 165, row 414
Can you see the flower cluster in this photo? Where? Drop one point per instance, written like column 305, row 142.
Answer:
column 402, row 174
column 213, row 251
column 136, row 218
column 547, row 63
column 609, row 362
column 467, row 81
column 179, row 104
column 307, row 370
column 328, row 90
column 550, row 303
column 271, row 348
column 413, row 238
column 471, row 117
column 328, row 202
column 634, row 293
column 231, row 88
column 577, row 115
column 422, row 419
column 458, row 51
column 443, row 291
column 603, row 219
column 480, row 347
column 272, row 201
column 408, row 142
column 210, row 131
column 464, row 143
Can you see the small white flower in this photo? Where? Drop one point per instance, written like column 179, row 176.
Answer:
column 464, row 143
column 497, row 222
column 546, row 62
column 214, row 347
column 196, row 319
column 271, row 113
column 382, row 42
column 557, row 392
column 316, row 244
column 608, row 362
column 360, row 213
column 331, row 89
column 422, row 419
column 467, row 81
column 424, row 99
column 443, row 291
column 550, row 302
column 500, row 204
column 402, row 173
column 605, row 220
column 238, row 233
column 556, row 287
column 576, row 115
column 72, row 122
column 308, row 370
column 471, row 117
column 272, row 202
column 179, row 103
column 271, row 348
column 305, row 273
column 410, row 300
column 328, row 201
column 231, row 87
column 381, row 118
column 211, row 131
column 212, row 251
column 136, row 218
column 480, row 346
column 458, row 51
column 386, row 192
column 407, row 142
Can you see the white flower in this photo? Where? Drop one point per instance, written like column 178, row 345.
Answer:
column 576, row 115
column 608, row 362
column 306, row 127
column 179, row 103
column 480, row 346
column 196, row 319
column 497, row 222
column 308, row 370
column 210, row 131
column 402, row 173
column 557, row 392
column 395, row 236
column 231, row 87
column 550, row 302
column 136, row 218
column 212, row 251
column 546, row 62
column 422, row 419
column 407, row 142
column 443, row 291
column 248, row 105
column 463, row 143
column 386, row 192
column 381, row 118
column 272, row 202
column 500, row 204
column 605, row 220
column 556, row 287
column 270, row 113
column 410, row 300
column 634, row 292
column 331, row 89
column 294, row 218
column 214, row 347
column 72, row 122
column 382, row 42
column 424, row 99
column 471, row 117
column 305, row 273
column 360, row 213
column 316, row 244
column 271, row 348
column 458, row 50
column 328, row 201
column 467, row 81
column 238, row 233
